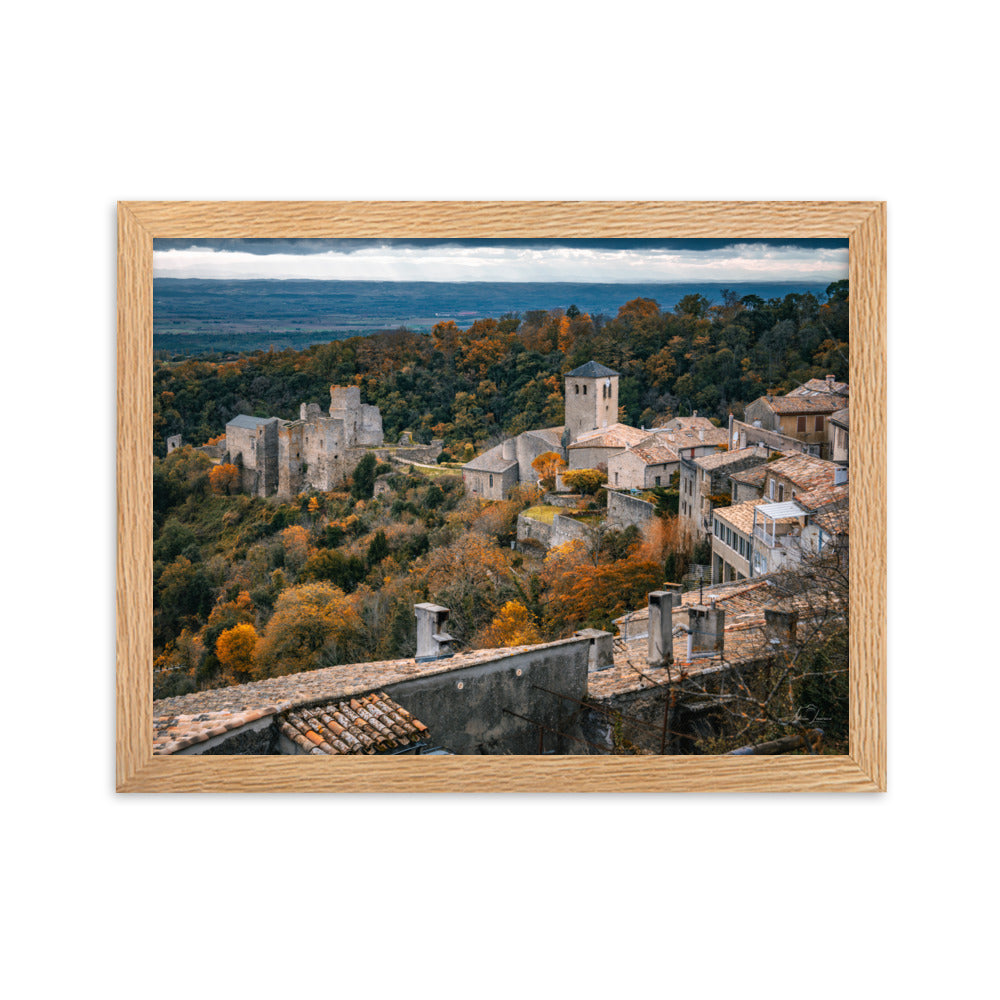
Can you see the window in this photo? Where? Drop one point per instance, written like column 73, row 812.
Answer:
column 781, row 493
column 657, row 478
column 800, row 426
column 819, row 423
column 577, row 389
column 585, row 390
column 491, row 480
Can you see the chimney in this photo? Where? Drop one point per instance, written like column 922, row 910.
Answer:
column 695, row 414
column 432, row 641
column 661, row 638
column 779, row 626
column 840, row 475
column 707, row 625
column 509, row 450
column 600, row 654
column 829, row 381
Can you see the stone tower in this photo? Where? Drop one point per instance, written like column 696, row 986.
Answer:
column 591, row 399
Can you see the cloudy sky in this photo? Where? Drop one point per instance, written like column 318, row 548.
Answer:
column 612, row 261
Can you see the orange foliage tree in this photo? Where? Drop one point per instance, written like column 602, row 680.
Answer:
column 578, row 593
column 224, row 479
column 548, row 465
column 235, row 651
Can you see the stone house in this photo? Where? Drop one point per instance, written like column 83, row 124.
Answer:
column 705, row 483
column 657, row 457
column 803, row 416
column 650, row 463
column 732, row 541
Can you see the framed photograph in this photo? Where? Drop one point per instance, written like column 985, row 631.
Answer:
column 501, row 496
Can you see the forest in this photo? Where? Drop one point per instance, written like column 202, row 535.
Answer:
column 246, row 588
column 501, row 376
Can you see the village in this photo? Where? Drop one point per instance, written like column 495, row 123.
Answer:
column 767, row 495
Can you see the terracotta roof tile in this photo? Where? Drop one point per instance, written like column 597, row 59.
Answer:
column 614, row 436
column 369, row 725
column 724, row 458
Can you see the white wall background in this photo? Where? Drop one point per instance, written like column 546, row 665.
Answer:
column 486, row 896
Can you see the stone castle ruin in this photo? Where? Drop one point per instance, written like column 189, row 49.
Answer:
column 315, row 452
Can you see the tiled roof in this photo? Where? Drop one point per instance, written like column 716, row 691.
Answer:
column 744, row 603
column 805, row 472
column 823, row 496
column 695, row 438
column 654, row 451
column 690, row 424
column 177, row 731
column 836, row 520
column 368, row 725
column 191, row 718
column 841, row 417
column 552, row 436
column 801, row 404
column 820, row 385
column 723, row 458
column 751, row 477
column 615, row 436
column 591, row 370
column 490, row 461
column 250, row 423
column 740, row 515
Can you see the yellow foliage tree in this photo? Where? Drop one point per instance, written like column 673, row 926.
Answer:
column 513, row 626
column 235, row 650
column 313, row 625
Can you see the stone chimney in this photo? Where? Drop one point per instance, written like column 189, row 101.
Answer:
column 829, row 381
column 433, row 643
column 661, row 624
column 509, row 450
column 707, row 625
column 779, row 627
column 840, row 475
column 600, row 655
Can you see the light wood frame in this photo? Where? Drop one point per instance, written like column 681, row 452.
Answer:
column 862, row 769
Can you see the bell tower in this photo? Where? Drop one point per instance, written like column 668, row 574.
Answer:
column 591, row 399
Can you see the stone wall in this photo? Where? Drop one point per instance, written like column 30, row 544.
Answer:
column 625, row 510
column 562, row 529
column 464, row 710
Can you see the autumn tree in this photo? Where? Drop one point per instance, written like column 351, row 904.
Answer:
column 548, row 465
column 512, row 626
column 295, row 541
column 224, row 479
column 235, row 650
column 585, row 481
column 313, row 625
